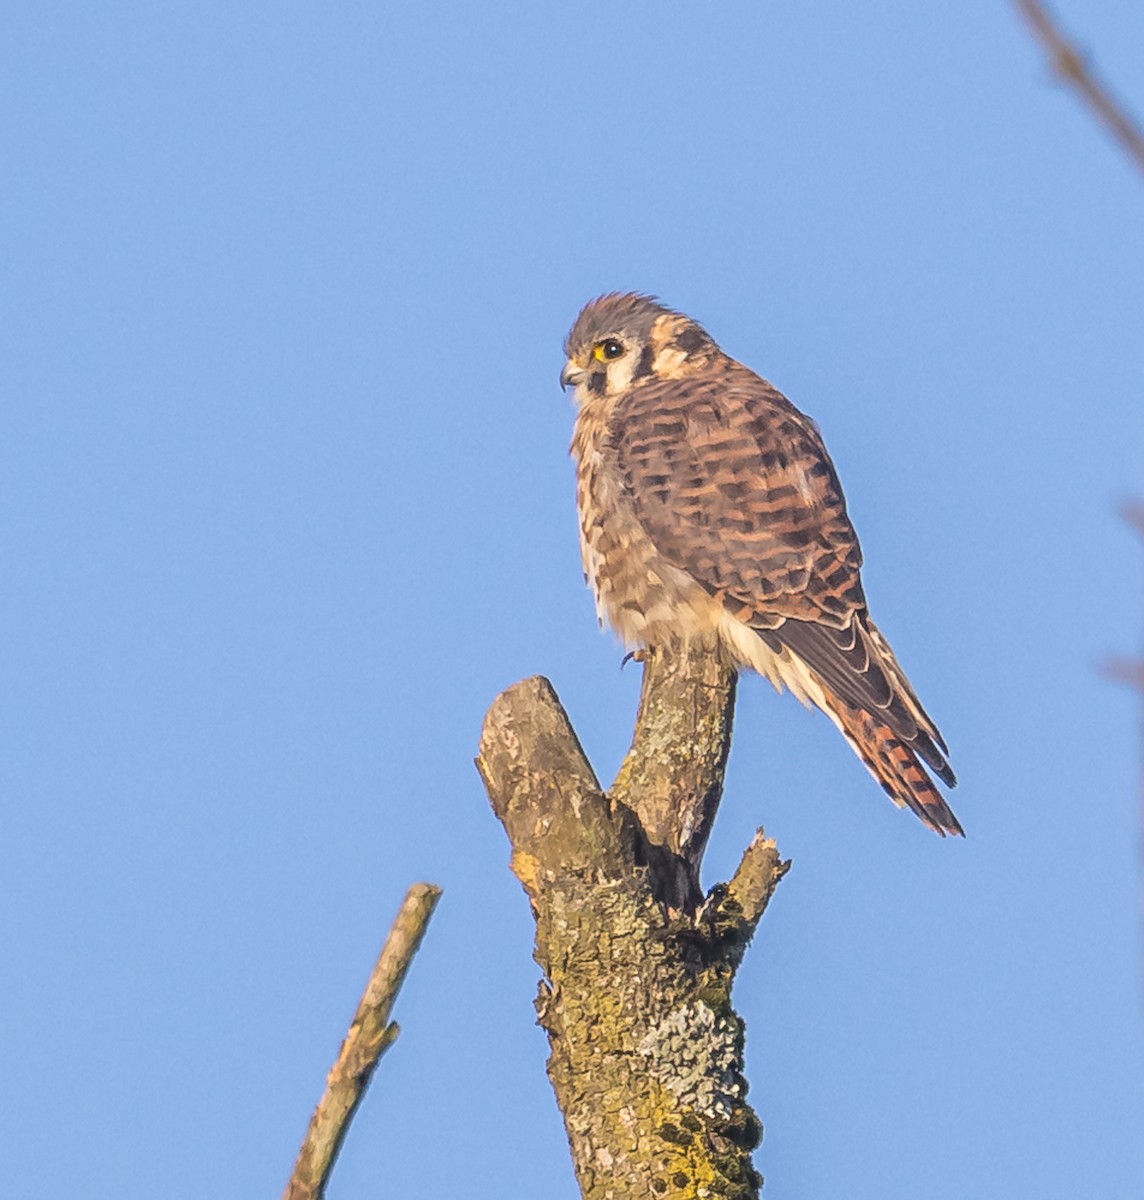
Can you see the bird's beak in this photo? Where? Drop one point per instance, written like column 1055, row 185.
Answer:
column 571, row 376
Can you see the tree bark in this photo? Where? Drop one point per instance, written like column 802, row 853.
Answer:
column 646, row 1049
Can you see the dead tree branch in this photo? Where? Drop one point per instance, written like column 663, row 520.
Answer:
column 1131, row 672
column 371, row 1033
column 1070, row 65
column 646, row 1049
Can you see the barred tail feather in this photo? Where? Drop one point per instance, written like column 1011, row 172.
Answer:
column 895, row 765
column 893, row 758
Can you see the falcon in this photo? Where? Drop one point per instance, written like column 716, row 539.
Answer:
column 709, row 506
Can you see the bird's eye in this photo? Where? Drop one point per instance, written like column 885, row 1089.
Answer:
column 608, row 350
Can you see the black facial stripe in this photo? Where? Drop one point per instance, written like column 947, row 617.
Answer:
column 596, row 382
column 643, row 367
column 691, row 339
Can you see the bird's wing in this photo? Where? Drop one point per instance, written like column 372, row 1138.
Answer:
column 733, row 485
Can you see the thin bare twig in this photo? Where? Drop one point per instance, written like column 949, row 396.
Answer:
column 370, row 1035
column 1131, row 672
column 1133, row 513
column 1070, row 65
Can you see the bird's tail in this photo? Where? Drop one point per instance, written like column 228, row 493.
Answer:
column 894, row 764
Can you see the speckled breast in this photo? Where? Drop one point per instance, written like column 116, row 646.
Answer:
column 645, row 599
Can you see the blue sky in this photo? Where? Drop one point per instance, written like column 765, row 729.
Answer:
column 285, row 501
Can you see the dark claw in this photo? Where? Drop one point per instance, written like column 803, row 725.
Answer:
column 640, row 655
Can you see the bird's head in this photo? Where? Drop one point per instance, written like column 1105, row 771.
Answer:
column 622, row 339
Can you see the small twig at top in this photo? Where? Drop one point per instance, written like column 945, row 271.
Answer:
column 1069, row 63
column 370, row 1035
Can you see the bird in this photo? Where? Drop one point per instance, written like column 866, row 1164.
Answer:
column 708, row 505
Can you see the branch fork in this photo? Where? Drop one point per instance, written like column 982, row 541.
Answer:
column 646, row 1048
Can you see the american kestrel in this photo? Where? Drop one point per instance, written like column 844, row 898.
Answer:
column 709, row 505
